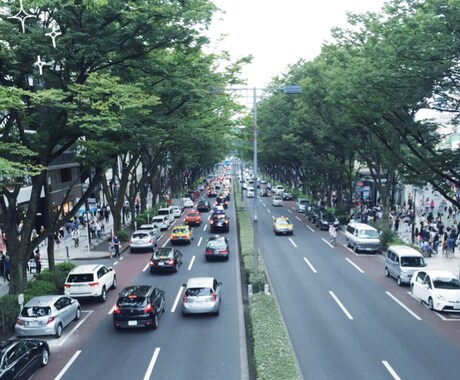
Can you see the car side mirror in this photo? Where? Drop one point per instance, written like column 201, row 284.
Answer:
column 220, row 283
column 184, row 285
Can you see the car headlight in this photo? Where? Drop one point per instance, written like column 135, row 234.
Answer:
column 441, row 298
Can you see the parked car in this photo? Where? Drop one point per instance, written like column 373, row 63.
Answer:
column 287, row 196
column 139, row 306
column 277, row 201
column 90, row 281
column 315, row 213
column 187, row 203
column 202, row 295
column 153, row 228
column 283, row 226
column 167, row 211
column 301, row 205
column 176, row 211
column 217, row 247
column 250, row 192
column 401, row 262
column 142, row 241
column 325, row 219
column 203, row 206
column 220, row 223
column 165, row 259
column 362, row 237
column 193, row 218
column 20, row 358
column 181, row 234
column 161, row 221
column 47, row 315
column 279, row 190
column 440, row 290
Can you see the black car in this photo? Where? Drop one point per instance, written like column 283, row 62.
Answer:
column 222, row 200
column 139, row 306
column 20, row 358
column 165, row 259
column 325, row 219
column 220, row 223
column 203, row 206
column 287, row 197
column 264, row 192
column 315, row 213
column 217, row 248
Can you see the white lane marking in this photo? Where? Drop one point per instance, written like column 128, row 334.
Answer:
column 344, row 309
column 352, row 263
column 111, row 310
column 67, row 366
column 273, row 217
column 329, row 244
column 67, row 336
column 191, row 263
column 209, row 217
column 269, row 211
column 148, row 374
column 199, row 241
column 404, row 306
column 164, row 244
column 145, row 268
column 391, row 370
column 298, row 218
column 205, row 226
column 310, row 265
column 292, row 242
column 289, row 211
column 122, row 257
column 181, row 289
column 115, row 263
column 311, row 229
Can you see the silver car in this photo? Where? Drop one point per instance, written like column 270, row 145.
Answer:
column 142, row 241
column 202, row 295
column 47, row 315
column 153, row 228
column 277, row 201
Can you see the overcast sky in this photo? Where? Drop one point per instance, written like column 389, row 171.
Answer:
column 280, row 32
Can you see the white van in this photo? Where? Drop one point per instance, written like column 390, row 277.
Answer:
column 161, row 221
column 362, row 237
column 167, row 212
column 279, row 190
column 401, row 261
column 176, row 211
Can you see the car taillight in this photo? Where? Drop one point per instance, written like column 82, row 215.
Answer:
column 184, row 298
column 116, row 310
column 19, row 322
column 130, row 241
column 152, row 263
column 148, row 308
column 50, row 319
column 93, row 284
column 209, row 251
column 223, row 251
column 226, row 222
column 150, row 241
column 213, row 297
column 170, row 262
column 66, row 286
column 212, row 222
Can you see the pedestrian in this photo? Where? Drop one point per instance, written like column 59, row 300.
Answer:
column 7, row 268
column 98, row 228
column 435, row 242
column 432, row 205
column 76, row 237
column 396, row 224
column 116, row 246
column 38, row 262
column 2, row 264
column 107, row 213
column 333, row 234
column 445, row 235
column 57, row 240
column 451, row 242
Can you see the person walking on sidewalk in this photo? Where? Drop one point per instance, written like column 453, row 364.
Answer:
column 116, row 246
column 7, row 268
column 76, row 237
column 333, row 234
column 38, row 262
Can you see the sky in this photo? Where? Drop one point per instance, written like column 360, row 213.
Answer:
column 278, row 33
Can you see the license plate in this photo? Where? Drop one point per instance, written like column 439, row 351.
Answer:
column 456, row 307
column 161, row 264
column 33, row 324
column 132, row 323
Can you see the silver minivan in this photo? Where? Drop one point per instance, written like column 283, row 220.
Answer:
column 401, row 262
column 362, row 237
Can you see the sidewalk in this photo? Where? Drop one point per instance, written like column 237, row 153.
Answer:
column 67, row 251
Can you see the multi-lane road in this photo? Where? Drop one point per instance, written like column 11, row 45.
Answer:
column 346, row 320
column 195, row 347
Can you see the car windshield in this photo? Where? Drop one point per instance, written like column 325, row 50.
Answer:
column 162, row 253
column 412, row 262
column 277, row 198
column 180, row 230
column 282, row 221
column 368, row 234
column 193, row 215
column 131, row 301
column 446, row 283
column 141, row 235
column 84, row 277
column 329, row 217
column 163, row 212
column 303, row 202
column 197, row 292
column 217, row 244
column 35, row 311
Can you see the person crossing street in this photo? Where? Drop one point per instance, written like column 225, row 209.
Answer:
column 333, row 234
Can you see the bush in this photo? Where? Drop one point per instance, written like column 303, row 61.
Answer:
column 273, row 356
column 141, row 220
column 39, row 288
column 123, row 235
column 9, row 310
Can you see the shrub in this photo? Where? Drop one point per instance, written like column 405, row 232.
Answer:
column 9, row 310
column 123, row 235
column 38, row 288
column 65, row 267
column 57, row 276
column 141, row 220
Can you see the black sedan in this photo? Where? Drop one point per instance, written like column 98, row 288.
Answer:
column 203, row 206
column 217, row 247
column 287, row 197
column 165, row 259
column 219, row 223
column 20, row 358
column 139, row 306
column 264, row 192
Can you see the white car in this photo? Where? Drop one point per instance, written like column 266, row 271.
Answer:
column 250, row 192
column 153, row 228
column 301, row 205
column 187, row 203
column 440, row 290
column 176, row 211
column 202, row 295
column 279, row 190
column 277, row 201
column 161, row 221
column 90, row 281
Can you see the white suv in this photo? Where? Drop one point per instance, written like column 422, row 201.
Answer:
column 279, row 190
column 90, row 281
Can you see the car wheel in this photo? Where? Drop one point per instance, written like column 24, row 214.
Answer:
column 114, row 284
column 217, row 313
column 398, row 280
column 58, row 333
column 355, row 248
column 226, row 258
column 430, row 303
column 78, row 314
column 45, row 357
column 156, row 321
column 103, row 296
column 387, row 273
column 348, row 243
column 412, row 289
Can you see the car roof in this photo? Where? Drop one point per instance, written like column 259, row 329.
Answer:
column 217, row 237
column 282, row 218
column 362, row 226
column 147, row 226
column 404, row 250
column 136, row 290
column 43, row 300
column 200, row 282
column 86, row 268
column 439, row 273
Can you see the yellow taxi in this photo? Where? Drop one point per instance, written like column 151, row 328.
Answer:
column 181, row 234
column 282, row 226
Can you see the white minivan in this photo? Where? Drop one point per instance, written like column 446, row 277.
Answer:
column 362, row 237
column 279, row 190
column 176, row 211
column 166, row 211
column 401, row 262
column 161, row 221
